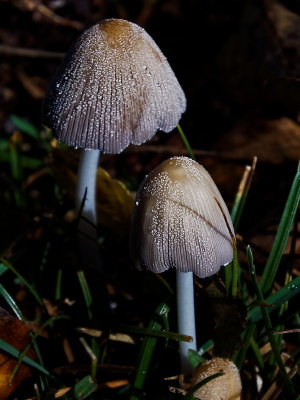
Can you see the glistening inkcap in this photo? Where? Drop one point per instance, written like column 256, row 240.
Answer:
column 114, row 87
column 227, row 386
column 178, row 223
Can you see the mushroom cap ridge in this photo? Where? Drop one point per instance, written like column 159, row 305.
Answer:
column 176, row 221
column 114, row 87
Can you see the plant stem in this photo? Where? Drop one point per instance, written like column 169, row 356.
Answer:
column 85, row 203
column 186, row 317
column 186, row 143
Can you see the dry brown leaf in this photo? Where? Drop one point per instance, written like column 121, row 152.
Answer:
column 114, row 204
column 16, row 333
column 286, row 26
column 273, row 141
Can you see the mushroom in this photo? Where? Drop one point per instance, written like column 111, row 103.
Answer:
column 179, row 221
column 226, row 387
column 114, row 87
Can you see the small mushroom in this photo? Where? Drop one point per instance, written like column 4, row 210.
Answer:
column 177, row 223
column 225, row 387
column 114, row 87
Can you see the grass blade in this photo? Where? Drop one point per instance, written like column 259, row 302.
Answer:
column 190, row 393
column 147, row 349
column 268, row 325
column 231, row 271
column 17, row 354
column 21, row 277
column 186, row 142
column 85, row 387
column 129, row 329
column 276, row 300
column 11, row 302
column 86, row 293
column 282, row 235
column 25, row 127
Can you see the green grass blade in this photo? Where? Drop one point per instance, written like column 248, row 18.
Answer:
column 268, row 325
column 147, row 349
column 186, row 142
column 282, row 235
column 194, row 358
column 19, row 314
column 240, row 357
column 86, row 293
column 257, row 353
column 190, row 393
column 231, row 271
column 25, row 282
column 205, row 347
column 25, row 127
column 17, row 354
column 242, row 193
column 130, row 329
column 58, row 285
column 276, row 300
column 84, row 388
column 11, row 302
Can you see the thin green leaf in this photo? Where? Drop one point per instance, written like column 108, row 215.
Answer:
column 282, row 235
column 242, row 193
column 25, row 282
column 276, row 300
column 194, row 358
column 11, row 302
column 240, row 356
column 190, row 393
column 25, row 127
column 17, row 354
column 186, row 142
column 147, row 349
column 3, row 268
column 86, row 292
column 231, row 271
column 123, row 328
column 85, row 387
column 268, row 325
column 205, row 347
column 25, row 161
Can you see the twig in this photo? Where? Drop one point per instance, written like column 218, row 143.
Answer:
column 6, row 50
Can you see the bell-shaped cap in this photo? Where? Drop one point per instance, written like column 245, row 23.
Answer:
column 114, row 87
column 177, row 222
column 226, row 387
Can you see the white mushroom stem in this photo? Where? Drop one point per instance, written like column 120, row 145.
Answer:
column 186, row 317
column 85, row 203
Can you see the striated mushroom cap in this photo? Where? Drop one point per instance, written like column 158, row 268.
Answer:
column 114, row 87
column 176, row 221
column 225, row 387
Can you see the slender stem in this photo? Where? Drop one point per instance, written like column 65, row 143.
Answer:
column 186, row 317
column 85, row 203
column 86, row 185
column 186, row 142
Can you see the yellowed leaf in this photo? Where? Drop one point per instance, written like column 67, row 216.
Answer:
column 114, row 201
column 16, row 333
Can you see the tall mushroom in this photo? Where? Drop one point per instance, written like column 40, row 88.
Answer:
column 177, row 222
column 113, row 88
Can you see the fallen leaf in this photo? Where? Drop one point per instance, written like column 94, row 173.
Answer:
column 272, row 141
column 16, row 333
column 114, row 201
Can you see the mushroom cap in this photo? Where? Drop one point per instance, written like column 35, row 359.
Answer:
column 176, row 221
column 113, row 88
column 225, row 387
